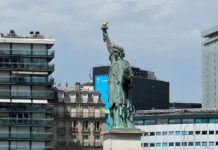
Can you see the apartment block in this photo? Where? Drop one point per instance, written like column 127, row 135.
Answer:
column 79, row 118
column 25, row 91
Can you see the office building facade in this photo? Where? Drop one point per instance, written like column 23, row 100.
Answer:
column 25, row 91
column 147, row 91
column 210, row 68
column 178, row 129
column 79, row 118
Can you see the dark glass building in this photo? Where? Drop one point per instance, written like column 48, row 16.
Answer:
column 147, row 92
column 25, row 82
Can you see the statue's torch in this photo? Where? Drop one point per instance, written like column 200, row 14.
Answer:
column 104, row 29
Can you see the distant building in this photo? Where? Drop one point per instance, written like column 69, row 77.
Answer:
column 178, row 129
column 210, row 68
column 79, row 118
column 147, row 93
column 179, row 105
column 25, row 91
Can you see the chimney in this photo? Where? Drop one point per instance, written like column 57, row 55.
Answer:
column 77, row 86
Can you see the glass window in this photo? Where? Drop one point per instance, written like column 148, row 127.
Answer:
column 213, row 120
column 97, row 140
column 97, row 126
column 188, row 121
column 85, row 125
column 177, row 143
column 162, row 121
column 73, row 139
column 211, row 132
column 158, row 144
column 61, row 124
column 85, row 140
column 164, row 144
column 152, row 144
column 197, row 132
column 158, row 133
column 171, row 144
column 184, row 132
column 177, row 132
column 39, row 79
column 152, row 133
column 60, row 96
column 204, row 143
column 197, row 144
column 150, row 122
column 174, row 121
column 146, row 134
column 85, row 97
column 85, row 112
column 61, row 140
column 145, row 144
column 184, row 143
column 164, row 133
column 190, row 143
column 138, row 122
column 171, row 133
column 201, row 121
column 72, row 97
column 95, row 97
column 204, row 132
column 211, row 143
column 190, row 133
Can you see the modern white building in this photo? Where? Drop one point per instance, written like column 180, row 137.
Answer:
column 210, row 68
column 178, row 129
column 25, row 91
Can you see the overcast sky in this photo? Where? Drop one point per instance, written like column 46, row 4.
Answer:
column 163, row 36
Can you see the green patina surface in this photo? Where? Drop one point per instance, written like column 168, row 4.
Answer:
column 119, row 86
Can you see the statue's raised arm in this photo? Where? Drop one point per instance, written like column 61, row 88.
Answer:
column 106, row 37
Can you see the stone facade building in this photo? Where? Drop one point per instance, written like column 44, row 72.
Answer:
column 79, row 118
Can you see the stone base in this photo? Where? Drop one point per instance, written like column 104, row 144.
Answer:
column 122, row 139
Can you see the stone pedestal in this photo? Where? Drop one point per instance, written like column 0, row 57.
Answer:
column 122, row 139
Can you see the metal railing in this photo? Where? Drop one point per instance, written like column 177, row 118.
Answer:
column 25, row 148
column 30, row 136
column 26, row 122
column 80, row 114
column 26, row 66
column 48, row 53
column 8, row 79
column 26, row 108
column 27, row 94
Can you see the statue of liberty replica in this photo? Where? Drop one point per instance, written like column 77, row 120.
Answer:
column 119, row 85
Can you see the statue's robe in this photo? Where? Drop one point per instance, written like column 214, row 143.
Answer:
column 119, row 82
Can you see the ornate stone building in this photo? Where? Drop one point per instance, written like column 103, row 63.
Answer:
column 79, row 118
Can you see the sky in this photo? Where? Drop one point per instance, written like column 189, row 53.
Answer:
column 163, row 36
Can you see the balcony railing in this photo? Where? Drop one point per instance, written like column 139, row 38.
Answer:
column 27, row 136
column 80, row 114
column 25, row 148
column 26, row 108
column 26, row 66
column 47, row 53
column 26, row 80
column 26, row 122
column 27, row 94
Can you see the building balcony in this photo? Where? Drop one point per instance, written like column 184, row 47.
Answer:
column 26, row 80
column 26, row 122
column 27, row 94
column 79, row 115
column 25, row 148
column 26, row 136
column 26, row 66
column 26, row 53
column 43, row 108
